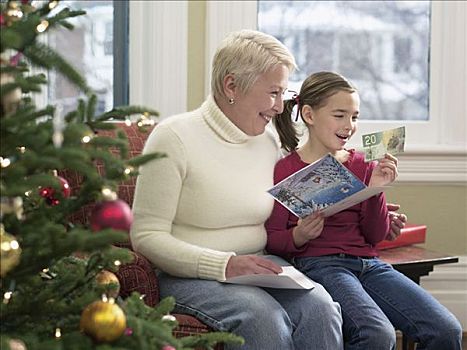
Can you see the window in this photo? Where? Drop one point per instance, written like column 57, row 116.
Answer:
column 108, row 39
column 436, row 145
column 381, row 46
column 402, row 52
column 90, row 48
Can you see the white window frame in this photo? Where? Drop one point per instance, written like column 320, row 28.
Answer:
column 436, row 150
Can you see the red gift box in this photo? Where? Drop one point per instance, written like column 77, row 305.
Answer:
column 410, row 234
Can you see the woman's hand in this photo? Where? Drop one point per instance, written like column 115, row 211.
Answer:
column 308, row 228
column 250, row 264
column 398, row 221
column 385, row 172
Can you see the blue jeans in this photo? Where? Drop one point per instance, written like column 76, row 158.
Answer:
column 375, row 298
column 267, row 318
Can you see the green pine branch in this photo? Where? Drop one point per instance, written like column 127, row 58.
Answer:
column 61, row 17
column 121, row 112
column 43, row 56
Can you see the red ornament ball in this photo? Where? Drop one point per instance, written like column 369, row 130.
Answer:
column 114, row 214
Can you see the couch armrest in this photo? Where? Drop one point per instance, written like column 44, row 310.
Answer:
column 139, row 276
column 190, row 326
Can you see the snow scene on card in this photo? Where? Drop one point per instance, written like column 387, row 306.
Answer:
column 316, row 187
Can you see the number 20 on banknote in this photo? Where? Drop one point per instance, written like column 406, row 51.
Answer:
column 377, row 144
column 371, row 139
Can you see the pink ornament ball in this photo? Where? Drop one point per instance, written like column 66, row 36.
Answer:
column 115, row 214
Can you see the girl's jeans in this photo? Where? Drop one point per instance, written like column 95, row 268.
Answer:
column 375, row 299
column 267, row 318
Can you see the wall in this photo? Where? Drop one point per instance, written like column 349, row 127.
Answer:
column 196, row 53
column 443, row 208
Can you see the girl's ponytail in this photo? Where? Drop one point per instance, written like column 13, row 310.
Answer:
column 285, row 128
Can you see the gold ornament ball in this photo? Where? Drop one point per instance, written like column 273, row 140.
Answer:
column 10, row 252
column 103, row 321
column 110, row 282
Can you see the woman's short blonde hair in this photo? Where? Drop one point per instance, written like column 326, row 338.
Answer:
column 247, row 54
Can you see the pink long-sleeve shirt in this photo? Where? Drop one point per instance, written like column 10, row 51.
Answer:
column 354, row 231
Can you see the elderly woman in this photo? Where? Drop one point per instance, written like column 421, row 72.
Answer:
column 199, row 213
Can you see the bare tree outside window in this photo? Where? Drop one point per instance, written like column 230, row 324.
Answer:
column 381, row 46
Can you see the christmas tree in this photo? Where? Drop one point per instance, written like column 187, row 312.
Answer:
column 57, row 277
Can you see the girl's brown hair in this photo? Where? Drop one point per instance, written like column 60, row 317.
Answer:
column 315, row 90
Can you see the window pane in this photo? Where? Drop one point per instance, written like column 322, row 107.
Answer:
column 89, row 48
column 381, row 46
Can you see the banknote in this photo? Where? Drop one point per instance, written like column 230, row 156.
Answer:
column 377, row 144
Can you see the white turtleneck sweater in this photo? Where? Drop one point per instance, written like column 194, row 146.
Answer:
column 207, row 200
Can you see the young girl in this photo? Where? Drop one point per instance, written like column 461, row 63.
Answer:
column 339, row 251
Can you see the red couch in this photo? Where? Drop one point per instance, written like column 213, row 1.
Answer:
column 139, row 275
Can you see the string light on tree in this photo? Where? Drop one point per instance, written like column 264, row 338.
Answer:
column 7, row 296
column 53, row 4
column 169, row 318
column 58, row 333
column 41, row 27
column 5, row 162
column 58, row 123
column 14, row 12
column 128, row 170
column 87, row 138
column 145, row 120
